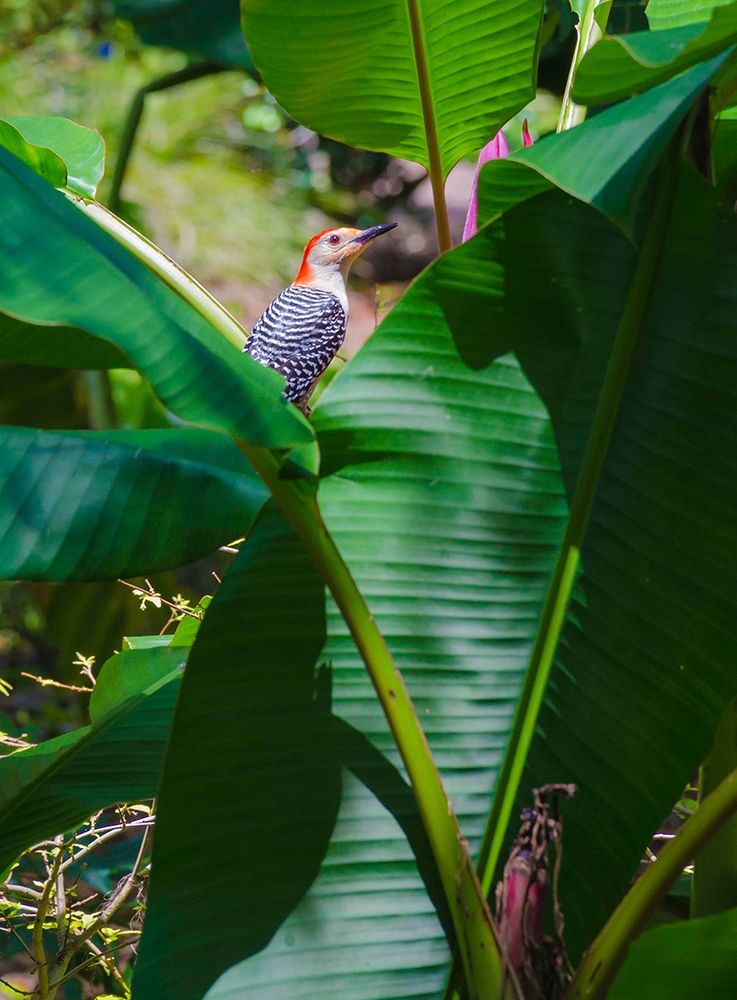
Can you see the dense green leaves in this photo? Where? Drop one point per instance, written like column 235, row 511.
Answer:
column 56, row 785
column 680, row 961
column 258, row 799
column 430, row 80
column 99, row 505
column 622, row 65
column 606, row 162
column 60, row 267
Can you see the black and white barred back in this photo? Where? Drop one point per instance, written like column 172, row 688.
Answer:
column 299, row 334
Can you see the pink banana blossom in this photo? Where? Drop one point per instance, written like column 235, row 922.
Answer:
column 497, row 148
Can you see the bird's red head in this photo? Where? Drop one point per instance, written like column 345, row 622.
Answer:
column 333, row 251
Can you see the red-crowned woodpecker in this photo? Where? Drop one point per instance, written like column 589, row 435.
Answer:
column 303, row 329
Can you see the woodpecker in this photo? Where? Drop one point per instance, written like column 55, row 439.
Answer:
column 303, row 329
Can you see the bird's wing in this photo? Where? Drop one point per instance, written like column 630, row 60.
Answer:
column 299, row 334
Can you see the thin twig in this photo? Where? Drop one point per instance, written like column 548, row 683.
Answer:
column 170, row 621
column 22, row 890
column 48, row 682
column 86, row 963
column 152, row 592
column 18, row 938
column 105, row 959
column 105, row 834
column 17, row 742
column 27, row 908
column 119, row 895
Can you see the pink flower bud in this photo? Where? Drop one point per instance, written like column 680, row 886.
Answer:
column 493, row 150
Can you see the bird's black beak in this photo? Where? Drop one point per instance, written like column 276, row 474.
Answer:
column 372, row 232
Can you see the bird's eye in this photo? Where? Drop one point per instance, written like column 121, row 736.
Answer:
column 334, row 239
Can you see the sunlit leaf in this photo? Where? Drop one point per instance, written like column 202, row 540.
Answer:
column 81, row 150
column 418, row 80
column 621, row 65
column 674, row 13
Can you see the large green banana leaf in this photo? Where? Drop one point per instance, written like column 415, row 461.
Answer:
column 56, row 785
column 594, row 830
column 60, row 267
column 645, row 665
column 645, row 662
column 443, row 490
column 251, row 773
column 430, row 80
column 98, row 505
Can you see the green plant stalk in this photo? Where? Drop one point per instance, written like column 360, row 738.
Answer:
column 437, row 180
column 165, row 268
column 564, row 574
column 588, row 32
column 470, row 913
column 100, row 407
column 715, row 870
column 602, row 961
column 46, row 990
column 133, row 119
